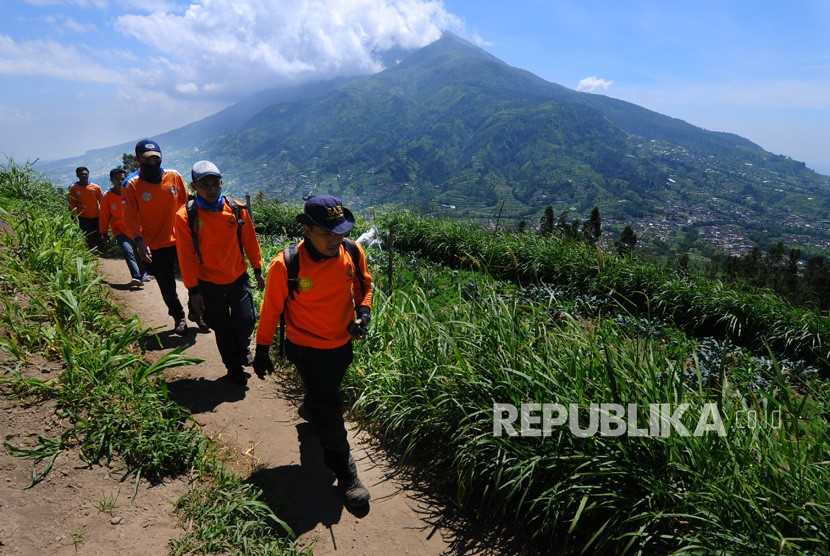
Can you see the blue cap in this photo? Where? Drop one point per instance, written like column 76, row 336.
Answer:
column 327, row 212
column 148, row 147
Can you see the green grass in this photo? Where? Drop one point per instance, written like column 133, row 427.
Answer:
column 115, row 403
column 430, row 373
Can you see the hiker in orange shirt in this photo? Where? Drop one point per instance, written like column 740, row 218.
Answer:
column 212, row 242
column 152, row 195
column 112, row 217
column 330, row 307
column 84, row 200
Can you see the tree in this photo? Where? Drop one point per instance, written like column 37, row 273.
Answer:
column 592, row 228
column 627, row 241
column 129, row 162
column 546, row 223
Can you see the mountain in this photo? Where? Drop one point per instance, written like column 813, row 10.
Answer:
column 452, row 129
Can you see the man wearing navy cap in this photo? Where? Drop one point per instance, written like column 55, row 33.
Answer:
column 152, row 195
column 330, row 307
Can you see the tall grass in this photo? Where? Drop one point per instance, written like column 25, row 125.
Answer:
column 429, row 377
column 756, row 319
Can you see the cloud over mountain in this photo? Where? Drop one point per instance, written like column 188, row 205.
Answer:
column 224, row 47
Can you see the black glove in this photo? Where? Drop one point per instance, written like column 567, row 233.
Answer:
column 262, row 362
column 364, row 314
column 360, row 328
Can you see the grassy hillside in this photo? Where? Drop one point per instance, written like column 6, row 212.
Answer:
column 467, row 323
column 473, row 319
column 115, row 403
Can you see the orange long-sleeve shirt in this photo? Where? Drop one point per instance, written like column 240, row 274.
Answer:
column 320, row 313
column 149, row 208
column 111, row 214
column 84, row 199
column 222, row 261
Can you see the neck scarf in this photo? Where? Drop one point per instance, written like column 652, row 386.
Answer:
column 211, row 207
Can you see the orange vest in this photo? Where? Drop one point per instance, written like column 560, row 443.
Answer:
column 222, row 261
column 149, row 208
column 320, row 313
column 111, row 214
column 84, row 199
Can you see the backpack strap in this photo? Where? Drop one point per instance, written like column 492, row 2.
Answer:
column 193, row 224
column 236, row 208
column 354, row 253
column 292, row 267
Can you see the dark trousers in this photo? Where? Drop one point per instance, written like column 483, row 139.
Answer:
column 163, row 268
column 89, row 226
column 322, row 372
column 231, row 314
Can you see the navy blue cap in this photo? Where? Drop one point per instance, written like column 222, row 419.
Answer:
column 148, row 147
column 327, row 212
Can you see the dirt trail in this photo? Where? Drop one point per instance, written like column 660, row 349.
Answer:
column 280, row 452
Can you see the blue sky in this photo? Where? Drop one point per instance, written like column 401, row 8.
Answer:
column 83, row 74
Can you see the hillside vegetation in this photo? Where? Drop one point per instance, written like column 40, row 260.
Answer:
column 116, row 404
column 467, row 322
column 471, row 318
column 453, row 130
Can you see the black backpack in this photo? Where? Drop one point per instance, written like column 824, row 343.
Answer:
column 292, row 266
column 193, row 223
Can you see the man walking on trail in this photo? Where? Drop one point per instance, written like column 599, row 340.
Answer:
column 84, row 200
column 112, row 216
column 213, row 237
column 320, row 326
column 152, row 195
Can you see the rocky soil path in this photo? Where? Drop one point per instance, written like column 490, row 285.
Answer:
column 270, row 444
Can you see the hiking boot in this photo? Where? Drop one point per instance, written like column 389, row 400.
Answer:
column 136, row 283
column 354, row 492
column 180, row 328
column 200, row 321
column 304, row 413
column 238, row 377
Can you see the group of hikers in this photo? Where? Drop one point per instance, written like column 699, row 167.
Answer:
column 321, row 288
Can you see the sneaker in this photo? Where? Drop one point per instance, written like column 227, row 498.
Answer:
column 200, row 321
column 146, row 277
column 136, row 282
column 354, row 492
column 180, row 328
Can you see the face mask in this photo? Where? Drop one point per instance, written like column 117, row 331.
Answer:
column 151, row 172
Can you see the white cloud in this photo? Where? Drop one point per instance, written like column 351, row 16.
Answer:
column 13, row 114
column 79, row 3
column 245, row 45
column 480, row 41
column 593, row 84
column 48, row 58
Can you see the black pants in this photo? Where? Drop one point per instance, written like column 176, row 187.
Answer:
column 231, row 314
column 322, row 372
column 163, row 268
column 89, row 226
